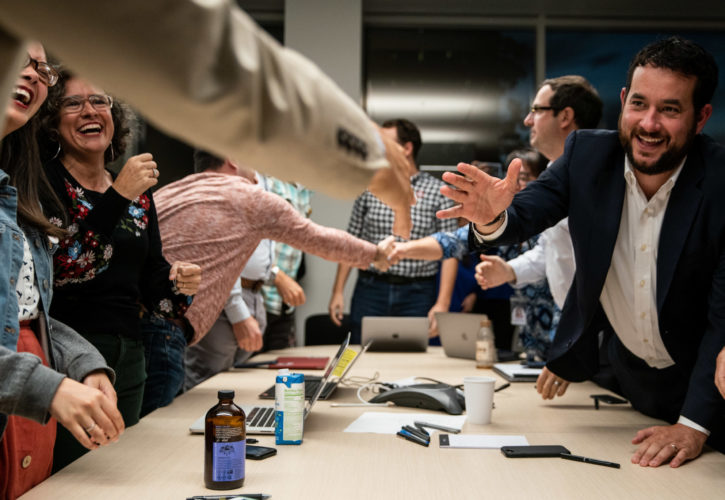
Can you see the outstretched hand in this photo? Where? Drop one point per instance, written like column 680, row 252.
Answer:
column 382, row 253
column 493, row 271
column 480, row 197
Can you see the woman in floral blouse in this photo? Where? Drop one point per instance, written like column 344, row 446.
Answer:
column 109, row 269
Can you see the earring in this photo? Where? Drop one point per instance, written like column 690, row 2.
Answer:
column 57, row 152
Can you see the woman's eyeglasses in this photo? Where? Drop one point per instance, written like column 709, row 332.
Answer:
column 46, row 73
column 75, row 103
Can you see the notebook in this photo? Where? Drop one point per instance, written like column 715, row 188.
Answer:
column 260, row 418
column 291, row 362
column 458, row 333
column 312, row 382
column 396, row 333
column 516, row 372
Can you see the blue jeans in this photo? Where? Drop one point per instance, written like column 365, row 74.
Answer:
column 164, row 344
column 377, row 298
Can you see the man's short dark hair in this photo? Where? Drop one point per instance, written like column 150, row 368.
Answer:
column 407, row 132
column 681, row 56
column 204, row 160
column 575, row 92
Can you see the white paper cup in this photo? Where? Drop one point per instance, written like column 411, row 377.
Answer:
column 479, row 398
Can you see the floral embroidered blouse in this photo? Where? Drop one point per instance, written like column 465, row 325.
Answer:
column 109, row 268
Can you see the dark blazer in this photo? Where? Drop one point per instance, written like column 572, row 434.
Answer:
column 587, row 184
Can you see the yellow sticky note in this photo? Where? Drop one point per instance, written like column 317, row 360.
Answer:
column 345, row 359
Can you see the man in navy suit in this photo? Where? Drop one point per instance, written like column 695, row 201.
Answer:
column 646, row 211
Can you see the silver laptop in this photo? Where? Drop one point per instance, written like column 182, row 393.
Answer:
column 458, row 333
column 260, row 418
column 312, row 382
column 395, row 333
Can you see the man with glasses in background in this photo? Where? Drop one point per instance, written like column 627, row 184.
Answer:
column 561, row 105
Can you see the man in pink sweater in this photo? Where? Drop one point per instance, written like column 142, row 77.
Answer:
column 216, row 218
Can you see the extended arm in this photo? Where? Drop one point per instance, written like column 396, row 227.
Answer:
column 210, row 60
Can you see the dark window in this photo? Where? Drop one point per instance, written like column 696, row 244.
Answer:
column 468, row 90
column 603, row 58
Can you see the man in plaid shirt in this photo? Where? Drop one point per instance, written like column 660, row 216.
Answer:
column 408, row 288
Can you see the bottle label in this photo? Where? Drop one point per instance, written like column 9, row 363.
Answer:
column 228, row 452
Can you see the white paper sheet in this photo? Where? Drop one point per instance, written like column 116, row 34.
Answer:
column 390, row 423
column 484, row 441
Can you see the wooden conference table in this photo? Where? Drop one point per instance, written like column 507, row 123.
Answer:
column 159, row 459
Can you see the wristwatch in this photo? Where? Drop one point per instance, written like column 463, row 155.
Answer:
column 272, row 275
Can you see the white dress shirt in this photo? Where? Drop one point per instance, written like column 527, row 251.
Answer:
column 552, row 258
column 629, row 296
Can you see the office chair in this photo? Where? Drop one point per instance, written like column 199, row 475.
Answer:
column 320, row 330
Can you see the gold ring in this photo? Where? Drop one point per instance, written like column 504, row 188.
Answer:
column 156, row 172
column 556, row 382
column 674, row 447
column 89, row 429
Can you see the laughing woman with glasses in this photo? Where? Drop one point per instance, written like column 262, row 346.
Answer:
column 48, row 372
column 109, row 269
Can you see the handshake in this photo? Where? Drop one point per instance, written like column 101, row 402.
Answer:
column 389, row 253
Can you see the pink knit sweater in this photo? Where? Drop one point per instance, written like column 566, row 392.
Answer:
column 217, row 220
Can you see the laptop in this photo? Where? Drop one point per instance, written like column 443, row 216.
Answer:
column 260, row 418
column 458, row 333
column 312, row 382
column 396, row 333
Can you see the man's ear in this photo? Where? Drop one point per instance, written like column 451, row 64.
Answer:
column 408, row 148
column 703, row 116
column 566, row 118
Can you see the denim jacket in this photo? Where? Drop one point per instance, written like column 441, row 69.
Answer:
column 28, row 387
column 11, row 248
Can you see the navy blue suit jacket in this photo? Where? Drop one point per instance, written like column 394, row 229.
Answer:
column 587, row 184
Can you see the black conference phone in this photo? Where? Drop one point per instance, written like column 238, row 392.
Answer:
column 428, row 396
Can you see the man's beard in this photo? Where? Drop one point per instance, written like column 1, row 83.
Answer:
column 669, row 160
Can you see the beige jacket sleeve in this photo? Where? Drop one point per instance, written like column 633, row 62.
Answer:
column 204, row 72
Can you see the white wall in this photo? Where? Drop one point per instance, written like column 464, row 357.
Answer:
column 329, row 33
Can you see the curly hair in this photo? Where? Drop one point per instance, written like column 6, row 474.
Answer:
column 50, row 117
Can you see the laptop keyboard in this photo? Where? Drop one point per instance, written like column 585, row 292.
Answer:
column 261, row 417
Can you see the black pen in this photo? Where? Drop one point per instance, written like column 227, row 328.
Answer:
column 252, row 441
column 577, row 458
column 502, row 387
column 232, row 496
column 422, row 429
column 412, row 437
column 437, row 427
column 416, row 431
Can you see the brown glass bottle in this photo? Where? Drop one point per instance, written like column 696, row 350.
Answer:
column 225, row 446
